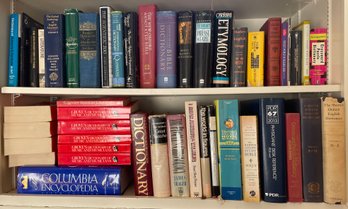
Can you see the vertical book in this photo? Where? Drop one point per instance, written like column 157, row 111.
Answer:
column 118, row 79
column 239, row 57
column 305, row 28
column 255, row 58
column 41, row 58
column 318, row 56
column 13, row 51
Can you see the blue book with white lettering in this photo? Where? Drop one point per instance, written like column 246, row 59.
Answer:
column 118, row 78
column 73, row 180
column 13, row 53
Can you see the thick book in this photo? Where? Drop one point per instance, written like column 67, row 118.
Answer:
column 96, row 102
column 223, row 25
column 118, row 79
column 43, row 159
column 166, row 49
column 272, row 29
column 72, row 180
column 334, row 159
column 239, row 57
column 41, row 58
column 54, row 50
column 203, row 49
column 318, row 56
column 293, row 157
column 250, row 158
column 34, row 57
column 29, row 130
column 19, row 146
column 95, row 139
column 227, row 126
column 255, row 59
column 93, row 159
column 131, row 49
column 94, row 148
column 14, row 49
column 147, row 45
column 305, row 28
column 185, row 48
column 178, row 156
column 194, row 159
column 285, row 49
column 295, row 58
column 141, row 159
column 23, row 114
column 89, row 50
column 94, row 127
column 159, row 155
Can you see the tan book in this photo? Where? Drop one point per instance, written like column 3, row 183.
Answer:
column 27, row 146
column 250, row 159
column 29, row 130
column 22, row 114
column 334, row 158
column 32, row 159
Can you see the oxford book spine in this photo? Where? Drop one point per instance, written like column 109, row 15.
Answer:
column 239, row 57
column 223, row 23
column 185, row 48
column 118, row 79
column 41, row 59
column 13, row 53
column 34, row 57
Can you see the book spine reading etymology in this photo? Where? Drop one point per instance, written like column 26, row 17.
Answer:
column 118, row 79
column 239, row 57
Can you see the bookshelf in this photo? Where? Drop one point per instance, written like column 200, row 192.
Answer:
column 250, row 13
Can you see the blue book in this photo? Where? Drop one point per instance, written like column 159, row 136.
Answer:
column 118, row 78
column 54, row 50
column 13, row 53
column 227, row 120
column 89, row 50
column 72, row 180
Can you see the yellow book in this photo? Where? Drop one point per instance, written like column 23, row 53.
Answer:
column 305, row 27
column 255, row 65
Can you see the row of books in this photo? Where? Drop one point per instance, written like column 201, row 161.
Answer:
column 162, row 49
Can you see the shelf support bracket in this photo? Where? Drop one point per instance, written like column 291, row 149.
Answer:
column 14, row 97
column 12, row 6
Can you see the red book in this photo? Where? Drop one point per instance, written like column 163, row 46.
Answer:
column 293, row 158
column 94, row 127
column 97, row 102
column 272, row 29
column 94, row 148
column 93, row 159
column 141, row 160
column 94, row 139
column 147, row 45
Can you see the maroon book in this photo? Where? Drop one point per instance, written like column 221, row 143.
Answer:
column 141, row 160
column 272, row 29
column 147, row 45
column 293, row 158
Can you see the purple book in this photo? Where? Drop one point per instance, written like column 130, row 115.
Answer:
column 166, row 49
column 284, row 65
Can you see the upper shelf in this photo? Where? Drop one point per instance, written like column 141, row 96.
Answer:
column 172, row 91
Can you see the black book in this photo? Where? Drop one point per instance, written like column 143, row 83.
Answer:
column 203, row 49
column 185, row 51
column 34, row 57
column 131, row 48
column 223, row 23
column 239, row 57
column 295, row 57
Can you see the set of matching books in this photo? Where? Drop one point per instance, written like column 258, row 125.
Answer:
column 30, row 135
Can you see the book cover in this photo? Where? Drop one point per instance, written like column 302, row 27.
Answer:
column 118, row 79
column 178, row 156
column 147, row 45
column 34, row 57
column 227, row 126
column 305, row 27
column 296, row 58
column 94, row 148
column 255, row 59
column 94, row 113
column 96, row 102
column 38, row 159
column 185, row 49
column 14, row 49
column 285, row 49
column 22, row 114
column 54, row 50
column 203, row 49
column 334, row 159
column 93, row 159
column 19, row 146
column 89, row 50
column 159, row 155
column 293, row 157
column 318, row 56
column 141, row 153
column 166, row 49
column 94, row 139
column 223, row 25
column 94, row 127
column 194, row 159
column 41, row 58
column 239, row 57
column 29, row 130
column 73, row 180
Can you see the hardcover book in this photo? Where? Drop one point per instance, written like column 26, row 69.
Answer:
column 14, row 49
column 34, row 57
column 43, row 159
column 94, row 139
column 97, row 102
column 318, row 56
column 41, row 58
column 285, row 55
column 118, row 79
column 94, row 148
column 93, row 159
column 255, row 58
column 23, row 114
column 94, row 127
column 239, row 57
column 296, row 58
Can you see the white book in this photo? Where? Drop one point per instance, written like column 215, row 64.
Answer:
column 27, row 146
column 32, row 159
column 22, row 114
column 29, row 130
column 41, row 39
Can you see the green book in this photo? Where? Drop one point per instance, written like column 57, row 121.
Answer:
column 72, row 59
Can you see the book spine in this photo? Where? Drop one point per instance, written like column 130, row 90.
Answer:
column 94, row 148
column 94, row 127
column 305, row 53
column 334, row 161
column 250, row 158
column 93, row 159
column 130, row 21
column 34, row 57
column 205, row 151
column 118, row 79
column 284, row 53
column 141, row 155
column 239, row 57
column 166, row 49
column 94, row 139
column 54, row 50
column 214, row 156
column 293, row 153
column 203, row 49
column 296, row 58
column 93, row 113
column 147, row 45
column 194, row 159
column 318, row 56
column 185, row 52
column 255, row 58
column 72, row 45
column 41, row 58
column 89, row 50
column 111, row 102
column 178, row 157
column 159, row 156
column 13, row 53
column 223, row 23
